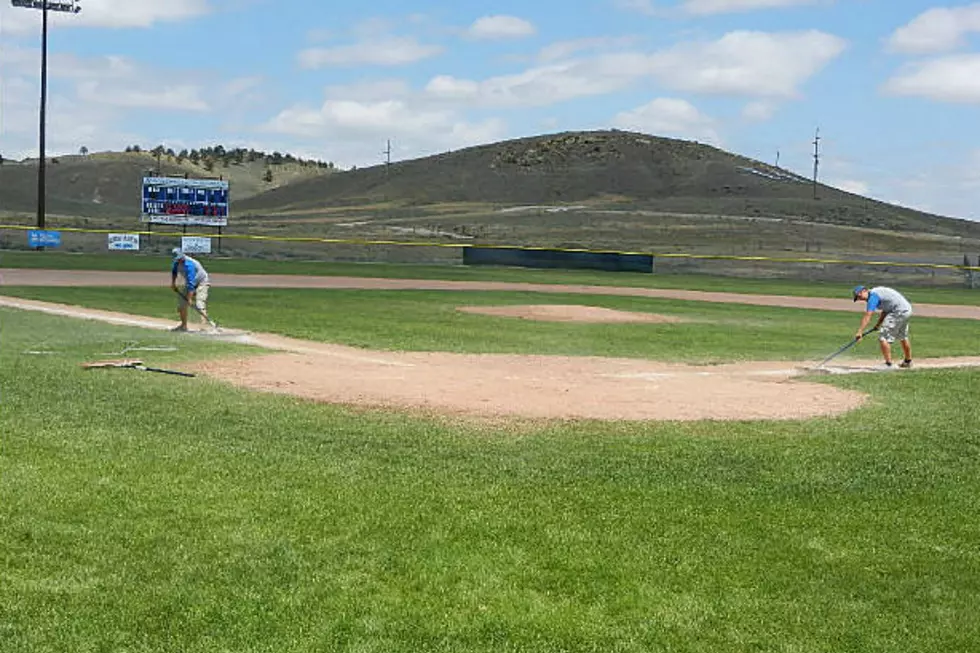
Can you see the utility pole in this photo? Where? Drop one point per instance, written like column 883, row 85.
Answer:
column 777, row 158
column 387, row 154
column 816, row 160
column 64, row 6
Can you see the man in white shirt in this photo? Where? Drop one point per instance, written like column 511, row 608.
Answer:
column 893, row 324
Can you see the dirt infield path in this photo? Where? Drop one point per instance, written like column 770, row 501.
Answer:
column 27, row 277
column 492, row 385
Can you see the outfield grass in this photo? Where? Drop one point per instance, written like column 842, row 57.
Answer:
column 150, row 513
column 429, row 321
column 129, row 262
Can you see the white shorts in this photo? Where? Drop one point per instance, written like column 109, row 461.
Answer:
column 895, row 327
column 200, row 297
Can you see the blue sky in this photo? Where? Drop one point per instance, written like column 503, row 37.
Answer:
column 893, row 85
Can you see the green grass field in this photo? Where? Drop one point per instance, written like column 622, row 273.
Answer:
column 428, row 321
column 150, row 513
column 129, row 262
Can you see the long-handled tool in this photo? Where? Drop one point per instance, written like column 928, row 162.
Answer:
column 211, row 322
column 844, row 348
column 133, row 364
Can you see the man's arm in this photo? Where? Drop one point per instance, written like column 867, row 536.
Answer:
column 864, row 323
column 191, row 278
column 874, row 301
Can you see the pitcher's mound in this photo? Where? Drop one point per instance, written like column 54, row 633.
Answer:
column 567, row 313
column 550, row 387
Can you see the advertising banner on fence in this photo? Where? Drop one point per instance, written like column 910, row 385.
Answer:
column 124, row 242
column 38, row 238
column 195, row 245
column 179, row 201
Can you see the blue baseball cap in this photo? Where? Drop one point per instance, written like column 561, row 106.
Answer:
column 857, row 291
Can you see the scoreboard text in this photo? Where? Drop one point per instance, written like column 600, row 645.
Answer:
column 174, row 200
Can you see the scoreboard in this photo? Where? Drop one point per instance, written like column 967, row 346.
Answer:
column 175, row 200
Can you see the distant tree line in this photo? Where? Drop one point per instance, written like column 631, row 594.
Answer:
column 209, row 157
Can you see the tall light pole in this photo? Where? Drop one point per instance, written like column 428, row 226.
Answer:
column 64, row 6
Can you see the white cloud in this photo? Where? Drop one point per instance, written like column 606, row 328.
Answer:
column 370, row 91
column 758, row 111
column 564, row 49
column 71, row 124
column 670, row 117
column 180, row 97
column 389, row 51
column 952, row 189
column 937, row 30
column 751, row 64
column 955, row 78
column 855, row 186
column 544, row 85
column 353, row 127
column 765, row 64
column 107, row 13
column 500, row 27
column 645, row 7
column 357, row 116
column 710, row 7
column 447, row 87
column 91, row 99
column 706, row 7
column 241, row 86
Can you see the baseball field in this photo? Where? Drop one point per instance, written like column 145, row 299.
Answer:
column 462, row 461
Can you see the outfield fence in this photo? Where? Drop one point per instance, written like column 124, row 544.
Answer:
column 954, row 271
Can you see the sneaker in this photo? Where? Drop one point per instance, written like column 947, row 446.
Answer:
column 887, row 366
column 179, row 327
column 905, row 364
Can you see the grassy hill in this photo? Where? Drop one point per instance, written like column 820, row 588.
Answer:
column 595, row 190
column 605, row 169
column 107, row 184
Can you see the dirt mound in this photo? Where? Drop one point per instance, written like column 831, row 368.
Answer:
column 567, row 313
column 551, row 387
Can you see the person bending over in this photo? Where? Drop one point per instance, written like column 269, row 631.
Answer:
column 893, row 323
column 190, row 280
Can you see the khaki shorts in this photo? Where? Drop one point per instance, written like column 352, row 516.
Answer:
column 895, row 327
column 200, row 297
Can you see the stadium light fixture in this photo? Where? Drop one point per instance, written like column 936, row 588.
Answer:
column 62, row 6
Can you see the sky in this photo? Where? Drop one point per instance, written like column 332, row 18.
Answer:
column 892, row 85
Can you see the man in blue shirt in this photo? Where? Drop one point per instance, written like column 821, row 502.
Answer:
column 893, row 324
column 189, row 278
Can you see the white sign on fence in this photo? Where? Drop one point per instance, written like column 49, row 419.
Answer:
column 195, row 244
column 128, row 242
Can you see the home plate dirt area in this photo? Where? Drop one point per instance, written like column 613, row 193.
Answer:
column 495, row 385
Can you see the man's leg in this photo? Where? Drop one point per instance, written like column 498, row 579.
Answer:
column 182, row 310
column 886, row 350
column 890, row 331
column 903, row 337
column 201, row 301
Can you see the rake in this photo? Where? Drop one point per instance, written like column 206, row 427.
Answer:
column 133, row 364
column 844, row 348
column 212, row 323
